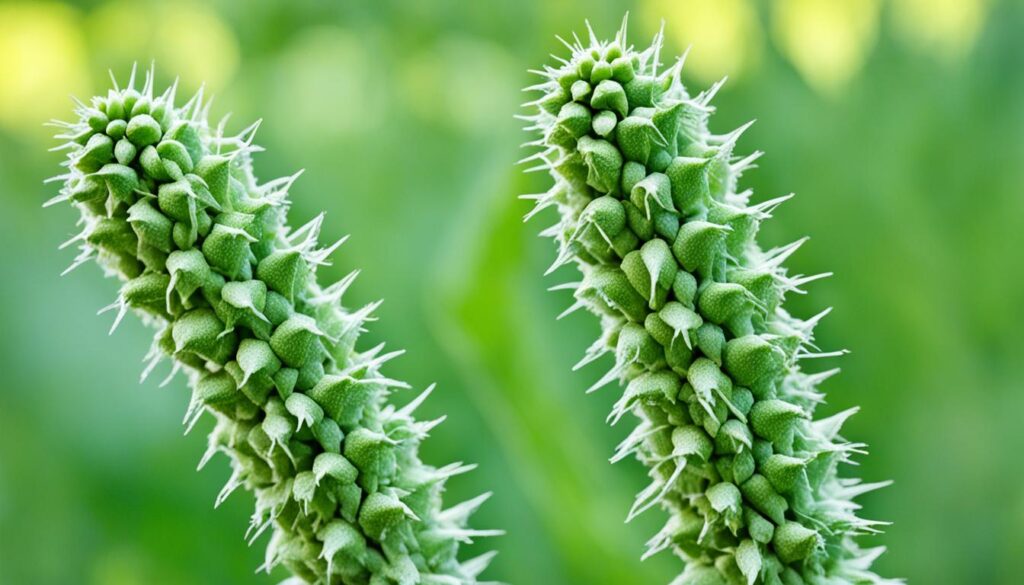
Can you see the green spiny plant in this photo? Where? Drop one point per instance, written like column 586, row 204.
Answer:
column 691, row 308
column 171, row 206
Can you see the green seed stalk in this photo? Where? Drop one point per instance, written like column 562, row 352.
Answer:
column 691, row 309
column 172, row 208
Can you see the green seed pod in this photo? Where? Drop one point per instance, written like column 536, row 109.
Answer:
column 113, row 235
column 783, row 472
column 635, row 344
column 729, row 305
column 284, row 271
column 691, row 441
column 654, row 189
column 98, row 151
column 700, row 248
column 153, row 165
column 775, row 419
column 187, row 135
column 115, row 129
column 710, row 362
column 216, row 390
column 651, row 271
column 199, row 332
column 297, row 341
column 227, row 249
column 343, row 398
column 152, row 227
column 573, row 122
column 653, row 388
column 205, row 253
column 244, row 303
column 381, row 513
column 174, row 151
column 753, row 362
column 125, row 151
column 143, row 130
column 603, row 162
column 608, row 95
column 257, row 359
column 603, row 123
column 759, row 492
column 189, row 271
column 794, row 542
column 146, row 293
column 121, row 182
column 214, row 170
column 690, row 190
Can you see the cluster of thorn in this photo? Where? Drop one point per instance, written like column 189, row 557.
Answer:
column 691, row 309
column 171, row 207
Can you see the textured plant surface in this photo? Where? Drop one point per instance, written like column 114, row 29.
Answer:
column 690, row 307
column 172, row 207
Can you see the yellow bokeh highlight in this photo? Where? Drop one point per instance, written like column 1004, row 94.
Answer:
column 43, row 62
column 948, row 28
column 724, row 36
column 185, row 39
column 826, row 40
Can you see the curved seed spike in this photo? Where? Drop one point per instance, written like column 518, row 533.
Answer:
column 270, row 353
column 710, row 360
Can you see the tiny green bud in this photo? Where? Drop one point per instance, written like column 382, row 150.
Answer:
column 143, row 130
column 98, row 151
column 116, row 129
column 125, row 151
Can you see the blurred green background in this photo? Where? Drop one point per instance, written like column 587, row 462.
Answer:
column 899, row 123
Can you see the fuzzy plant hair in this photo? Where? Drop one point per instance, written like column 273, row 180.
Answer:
column 172, row 208
column 691, row 309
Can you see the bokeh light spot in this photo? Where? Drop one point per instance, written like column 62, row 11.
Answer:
column 43, row 62
column 826, row 40
column 947, row 28
column 725, row 35
column 187, row 40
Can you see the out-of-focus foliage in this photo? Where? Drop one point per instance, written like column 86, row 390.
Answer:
column 908, row 170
